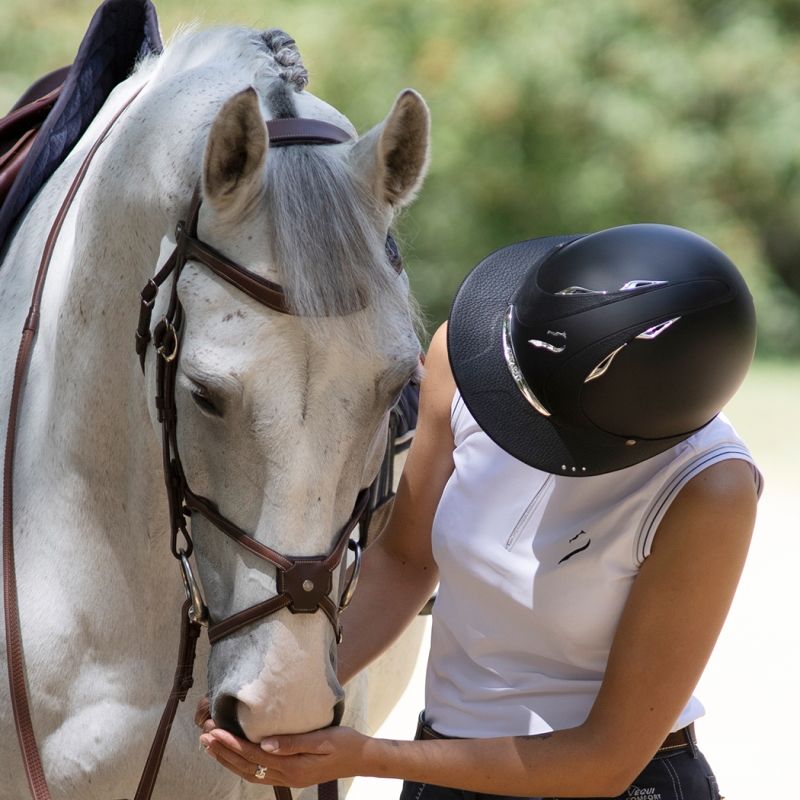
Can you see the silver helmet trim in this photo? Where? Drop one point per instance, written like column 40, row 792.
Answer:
column 553, row 348
column 513, row 366
column 637, row 283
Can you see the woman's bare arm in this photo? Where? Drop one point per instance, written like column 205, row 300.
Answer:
column 399, row 573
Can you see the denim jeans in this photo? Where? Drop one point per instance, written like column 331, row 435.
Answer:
column 677, row 775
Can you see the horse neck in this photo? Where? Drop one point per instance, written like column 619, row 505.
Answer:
column 117, row 223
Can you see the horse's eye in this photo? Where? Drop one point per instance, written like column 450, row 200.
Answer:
column 205, row 404
column 393, row 253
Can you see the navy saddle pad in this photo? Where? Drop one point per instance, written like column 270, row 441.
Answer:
column 121, row 32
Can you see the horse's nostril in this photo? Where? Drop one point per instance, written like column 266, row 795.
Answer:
column 226, row 716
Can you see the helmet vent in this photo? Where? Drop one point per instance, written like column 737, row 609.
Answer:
column 639, row 284
column 580, row 290
column 657, row 330
column 603, row 366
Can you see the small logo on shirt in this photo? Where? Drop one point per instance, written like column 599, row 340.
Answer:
column 577, row 549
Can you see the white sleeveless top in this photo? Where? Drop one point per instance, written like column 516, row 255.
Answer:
column 534, row 572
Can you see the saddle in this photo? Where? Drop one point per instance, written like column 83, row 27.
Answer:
column 48, row 120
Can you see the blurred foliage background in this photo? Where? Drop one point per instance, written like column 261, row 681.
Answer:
column 564, row 116
column 549, row 117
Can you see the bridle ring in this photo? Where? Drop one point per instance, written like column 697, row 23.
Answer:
column 350, row 588
column 199, row 611
column 162, row 350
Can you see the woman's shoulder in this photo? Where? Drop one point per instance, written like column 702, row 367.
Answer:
column 700, row 471
column 716, row 443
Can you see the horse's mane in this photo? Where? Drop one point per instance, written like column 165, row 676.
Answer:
column 323, row 223
column 329, row 267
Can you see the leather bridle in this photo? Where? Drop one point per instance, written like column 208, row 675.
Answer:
column 304, row 583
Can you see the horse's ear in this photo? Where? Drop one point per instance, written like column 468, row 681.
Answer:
column 235, row 153
column 393, row 156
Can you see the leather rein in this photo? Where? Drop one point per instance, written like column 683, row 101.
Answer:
column 304, row 583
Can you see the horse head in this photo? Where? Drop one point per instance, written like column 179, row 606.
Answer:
column 281, row 416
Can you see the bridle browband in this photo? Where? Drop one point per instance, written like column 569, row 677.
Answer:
column 304, row 583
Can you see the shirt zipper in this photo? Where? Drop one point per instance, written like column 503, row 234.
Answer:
column 526, row 514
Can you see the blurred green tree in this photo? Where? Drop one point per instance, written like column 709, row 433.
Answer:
column 549, row 117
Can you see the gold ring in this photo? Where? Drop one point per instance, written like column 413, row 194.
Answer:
column 261, row 772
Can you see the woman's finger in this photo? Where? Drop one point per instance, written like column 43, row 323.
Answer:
column 202, row 714
column 252, row 752
column 241, row 766
column 315, row 743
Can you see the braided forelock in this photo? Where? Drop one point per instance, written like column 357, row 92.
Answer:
column 287, row 58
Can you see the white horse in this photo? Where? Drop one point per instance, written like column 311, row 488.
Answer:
column 281, row 418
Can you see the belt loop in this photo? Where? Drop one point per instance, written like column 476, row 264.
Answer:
column 691, row 738
column 420, row 725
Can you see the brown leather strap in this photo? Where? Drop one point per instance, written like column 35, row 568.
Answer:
column 296, row 130
column 208, row 509
column 42, row 87
column 684, row 737
column 15, row 656
column 265, row 291
column 229, row 625
column 18, row 130
column 12, row 160
column 24, row 117
column 190, row 632
column 325, row 791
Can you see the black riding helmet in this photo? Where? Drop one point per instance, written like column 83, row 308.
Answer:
column 584, row 354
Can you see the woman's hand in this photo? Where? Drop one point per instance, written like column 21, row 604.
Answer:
column 202, row 716
column 296, row 761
